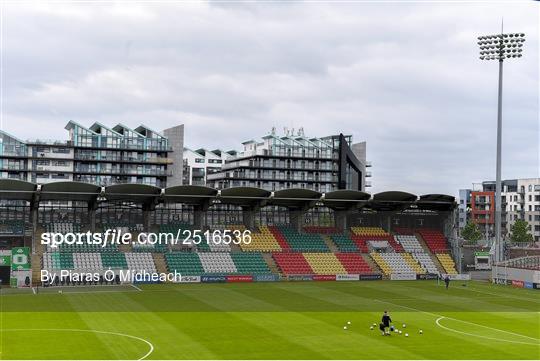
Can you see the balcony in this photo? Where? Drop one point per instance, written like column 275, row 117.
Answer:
column 94, row 158
column 127, row 172
column 51, row 142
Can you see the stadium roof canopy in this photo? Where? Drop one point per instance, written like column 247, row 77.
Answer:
column 345, row 199
column 392, row 201
column 245, row 196
column 436, row 202
column 12, row 189
column 69, row 191
column 139, row 193
column 188, row 194
column 295, row 198
column 15, row 189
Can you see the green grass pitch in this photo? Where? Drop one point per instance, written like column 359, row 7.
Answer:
column 286, row 320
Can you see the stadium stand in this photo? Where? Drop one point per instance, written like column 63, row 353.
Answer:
column 447, row 262
column 345, row 244
column 354, row 263
column 114, row 260
column 84, row 247
column 94, row 261
column 250, row 263
column 125, row 226
column 292, row 263
column 57, row 261
column 13, row 226
column 409, row 243
column 301, row 242
column 186, row 263
column 325, row 263
column 363, row 234
column 426, row 262
column 413, row 263
column 62, row 227
column 263, row 241
column 381, row 262
column 434, row 239
column 393, row 263
column 140, row 261
column 280, row 238
column 217, row 263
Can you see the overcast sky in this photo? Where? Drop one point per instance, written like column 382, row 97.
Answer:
column 405, row 77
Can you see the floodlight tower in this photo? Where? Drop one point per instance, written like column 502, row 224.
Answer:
column 500, row 47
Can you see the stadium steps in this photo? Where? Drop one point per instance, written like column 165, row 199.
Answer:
column 428, row 251
column 159, row 261
column 235, row 248
column 437, row 262
column 38, row 247
column 271, row 263
column 381, row 263
column 447, row 262
column 330, row 244
column 413, row 263
column 374, row 266
column 280, row 238
column 125, row 248
column 36, row 269
column 422, row 243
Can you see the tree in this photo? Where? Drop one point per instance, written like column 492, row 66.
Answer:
column 520, row 232
column 471, row 232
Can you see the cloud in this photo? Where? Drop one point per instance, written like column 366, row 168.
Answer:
column 405, row 77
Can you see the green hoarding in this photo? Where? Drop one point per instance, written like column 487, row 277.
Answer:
column 20, row 258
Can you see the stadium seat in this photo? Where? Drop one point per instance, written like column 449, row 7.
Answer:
column 394, row 263
column 435, row 240
column 426, row 262
column 250, row 263
column 409, row 243
column 345, row 243
column 361, row 235
column 217, row 263
column 263, row 241
column 447, row 262
column 354, row 263
column 186, row 263
column 325, row 263
column 292, row 263
column 299, row 242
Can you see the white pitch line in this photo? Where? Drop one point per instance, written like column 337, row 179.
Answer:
column 151, row 347
column 468, row 288
column 137, row 288
column 437, row 321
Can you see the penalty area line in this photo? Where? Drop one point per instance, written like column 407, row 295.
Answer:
column 137, row 288
column 438, row 322
column 148, row 343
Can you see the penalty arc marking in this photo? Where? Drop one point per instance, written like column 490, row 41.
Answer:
column 438, row 322
column 148, row 343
